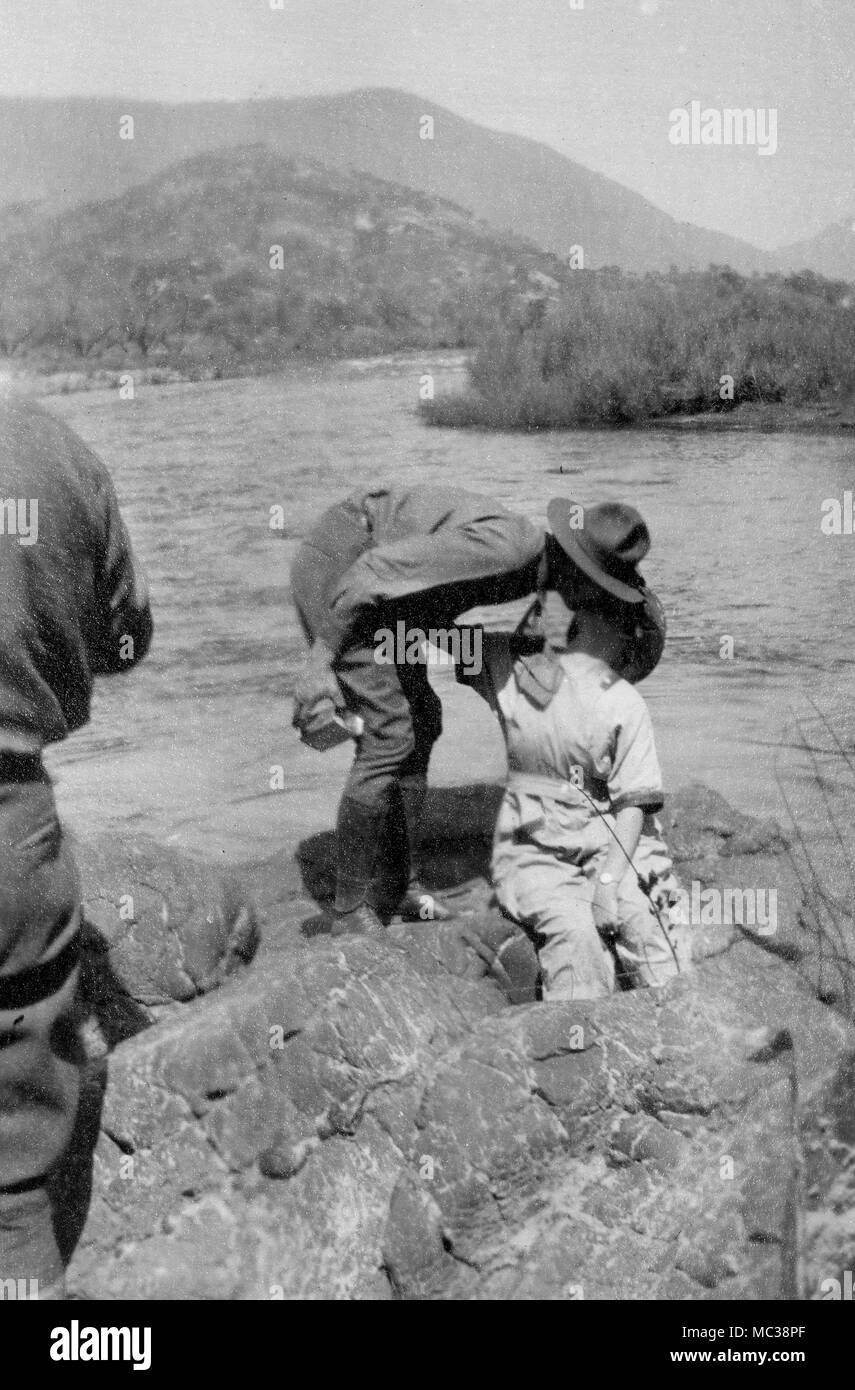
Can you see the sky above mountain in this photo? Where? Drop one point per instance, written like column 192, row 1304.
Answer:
column 598, row 83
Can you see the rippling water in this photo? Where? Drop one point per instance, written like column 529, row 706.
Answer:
column 182, row 748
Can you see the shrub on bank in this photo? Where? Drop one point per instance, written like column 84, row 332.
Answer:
column 621, row 349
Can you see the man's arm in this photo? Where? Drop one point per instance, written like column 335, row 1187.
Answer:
column 316, row 682
column 475, row 549
column 489, row 666
column 486, row 547
column 121, row 632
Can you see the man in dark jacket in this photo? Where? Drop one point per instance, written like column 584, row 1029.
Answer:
column 417, row 556
column 73, row 605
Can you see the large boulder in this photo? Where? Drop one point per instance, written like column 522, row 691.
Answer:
column 159, row 929
column 365, row 1118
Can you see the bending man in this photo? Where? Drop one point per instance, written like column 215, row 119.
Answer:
column 420, row 556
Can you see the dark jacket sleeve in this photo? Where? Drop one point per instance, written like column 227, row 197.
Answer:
column 121, row 632
column 476, row 550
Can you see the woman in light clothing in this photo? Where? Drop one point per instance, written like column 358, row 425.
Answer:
column 577, row 828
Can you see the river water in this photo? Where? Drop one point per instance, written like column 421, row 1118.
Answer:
column 182, row 749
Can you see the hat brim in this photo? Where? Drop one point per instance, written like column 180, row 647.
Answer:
column 559, row 513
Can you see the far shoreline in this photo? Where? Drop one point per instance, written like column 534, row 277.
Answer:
column 764, row 417
column 769, row 417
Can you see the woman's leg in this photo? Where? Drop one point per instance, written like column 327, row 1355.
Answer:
column 645, row 946
column 573, row 959
column 552, row 900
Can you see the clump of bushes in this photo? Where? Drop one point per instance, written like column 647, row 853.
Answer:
column 618, row 349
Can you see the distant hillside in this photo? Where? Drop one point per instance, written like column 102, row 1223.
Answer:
column 63, row 152
column 831, row 252
column 179, row 270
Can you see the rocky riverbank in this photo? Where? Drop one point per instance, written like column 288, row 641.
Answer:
column 309, row 1118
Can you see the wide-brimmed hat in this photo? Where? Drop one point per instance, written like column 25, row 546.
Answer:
column 542, row 634
column 608, row 546
column 645, row 638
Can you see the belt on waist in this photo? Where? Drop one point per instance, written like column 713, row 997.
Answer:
column 21, row 767
column 556, row 788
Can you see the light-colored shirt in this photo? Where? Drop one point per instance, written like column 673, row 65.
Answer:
column 595, row 722
column 596, row 731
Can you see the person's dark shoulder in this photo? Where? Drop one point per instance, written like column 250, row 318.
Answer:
column 44, row 457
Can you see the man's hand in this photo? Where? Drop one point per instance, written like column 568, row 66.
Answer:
column 605, row 908
column 316, row 682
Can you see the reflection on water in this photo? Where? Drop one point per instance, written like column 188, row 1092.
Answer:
column 183, row 748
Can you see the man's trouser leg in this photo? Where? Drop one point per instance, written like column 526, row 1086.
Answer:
column 397, row 877
column 40, row 1056
column 391, row 757
column 340, row 537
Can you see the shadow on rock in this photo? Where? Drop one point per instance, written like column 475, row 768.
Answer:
column 458, row 828
column 455, row 861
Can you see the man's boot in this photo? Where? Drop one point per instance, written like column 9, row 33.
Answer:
column 417, row 904
column 392, row 865
column 358, row 834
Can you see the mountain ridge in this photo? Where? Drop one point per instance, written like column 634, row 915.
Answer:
column 831, row 252
column 67, row 151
